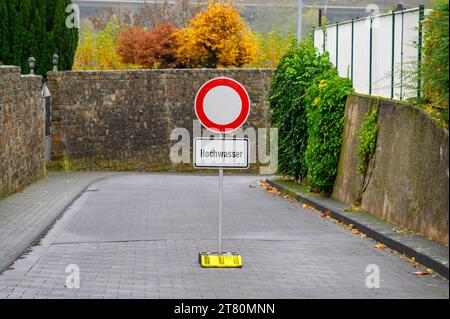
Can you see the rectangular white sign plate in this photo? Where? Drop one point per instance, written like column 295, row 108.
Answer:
column 226, row 153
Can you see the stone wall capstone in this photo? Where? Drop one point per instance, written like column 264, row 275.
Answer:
column 122, row 120
column 407, row 182
column 22, row 149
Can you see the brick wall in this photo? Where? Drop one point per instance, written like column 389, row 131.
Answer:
column 21, row 130
column 121, row 120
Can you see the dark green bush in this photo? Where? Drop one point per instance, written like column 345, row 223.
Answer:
column 325, row 105
column 293, row 76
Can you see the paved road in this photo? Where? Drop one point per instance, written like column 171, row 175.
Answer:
column 138, row 236
column 24, row 216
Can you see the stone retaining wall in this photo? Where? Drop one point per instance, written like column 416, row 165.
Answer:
column 407, row 182
column 21, row 130
column 122, row 120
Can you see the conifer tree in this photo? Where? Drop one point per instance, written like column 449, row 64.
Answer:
column 26, row 37
column 4, row 32
column 65, row 39
column 16, row 31
column 36, row 28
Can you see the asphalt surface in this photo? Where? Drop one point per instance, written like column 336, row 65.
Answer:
column 139, row 235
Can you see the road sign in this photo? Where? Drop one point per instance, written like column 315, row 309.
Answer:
column 222, row 105
column 221, row 153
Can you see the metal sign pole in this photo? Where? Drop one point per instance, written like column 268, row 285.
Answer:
column 220, row 207
column 299, row 22
column 220, row 203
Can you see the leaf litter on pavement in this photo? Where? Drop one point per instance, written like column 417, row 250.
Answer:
column 351, row 227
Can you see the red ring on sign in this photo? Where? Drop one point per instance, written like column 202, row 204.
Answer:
column 222, row 128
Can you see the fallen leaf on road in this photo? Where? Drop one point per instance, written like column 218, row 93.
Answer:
column 326, row 214
column 411, row 260
column 311, row 208
column 421, row 273
column 379, row 246
column 269, row 188
column 251, row 186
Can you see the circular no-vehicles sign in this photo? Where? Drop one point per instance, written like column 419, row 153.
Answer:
column 222, row 105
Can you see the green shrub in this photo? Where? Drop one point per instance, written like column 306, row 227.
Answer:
column 325, row 102
column 367, row 139
column 293, row 76
column 435, row 66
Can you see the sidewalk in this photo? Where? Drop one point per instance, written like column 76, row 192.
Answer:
column 25, row 216
column 427, row 252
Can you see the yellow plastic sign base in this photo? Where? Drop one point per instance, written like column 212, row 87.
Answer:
column 223, row 260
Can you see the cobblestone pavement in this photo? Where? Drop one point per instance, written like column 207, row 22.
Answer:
column 138, row 236
column 25, row 215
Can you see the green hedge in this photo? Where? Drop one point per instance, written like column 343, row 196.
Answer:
column 292, row 78
column 326, row 100
column 308, row 105
column 435, row 66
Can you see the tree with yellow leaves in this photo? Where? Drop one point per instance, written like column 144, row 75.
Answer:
column 98, row 51
column 216, row 37
column 272, row 46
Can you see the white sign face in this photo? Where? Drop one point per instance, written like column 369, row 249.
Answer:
column 222, row 105
column 226, row 153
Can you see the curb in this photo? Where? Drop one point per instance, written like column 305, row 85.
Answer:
column 385, row 239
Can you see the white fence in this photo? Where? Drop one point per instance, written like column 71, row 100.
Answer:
column 377, row 52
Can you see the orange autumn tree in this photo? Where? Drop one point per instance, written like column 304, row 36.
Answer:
column 216, row 37
column 129, row 44
column 149, row 49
